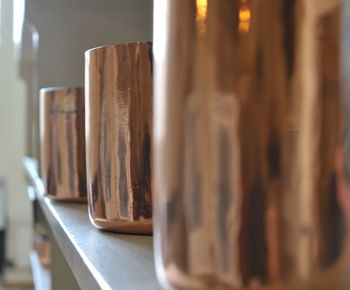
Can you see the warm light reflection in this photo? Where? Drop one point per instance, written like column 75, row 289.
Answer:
column 244, row 16
column 201, row 19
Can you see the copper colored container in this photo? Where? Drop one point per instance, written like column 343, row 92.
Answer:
column 63, row 143
column 118, row 81
column 251, row 144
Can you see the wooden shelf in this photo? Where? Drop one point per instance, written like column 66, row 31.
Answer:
column 98, row 260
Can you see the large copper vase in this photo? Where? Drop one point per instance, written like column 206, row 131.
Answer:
column 62, row 143
column 251, row 144
column 118, row 81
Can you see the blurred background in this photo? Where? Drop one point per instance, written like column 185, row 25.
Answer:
column 16, row 217
column 42, row 44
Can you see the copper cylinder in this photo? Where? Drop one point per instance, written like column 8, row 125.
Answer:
column 62, row 139
column 251, row 144
column 118, row 81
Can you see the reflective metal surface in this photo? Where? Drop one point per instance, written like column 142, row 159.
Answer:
column 62, row 143
column 118, row 81
column 251, row 144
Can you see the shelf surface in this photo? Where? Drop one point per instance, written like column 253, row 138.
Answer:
column 98, row 260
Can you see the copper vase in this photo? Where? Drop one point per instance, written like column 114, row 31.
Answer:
column 118, row 81
column 251, row 144
column 62, row 143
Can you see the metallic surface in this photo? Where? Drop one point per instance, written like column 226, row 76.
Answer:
column 251, row 144
column 118, row 81
column 62, row 143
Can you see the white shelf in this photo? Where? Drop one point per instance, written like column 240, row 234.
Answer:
column 98, row 260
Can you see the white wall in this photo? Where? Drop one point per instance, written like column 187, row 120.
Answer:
column 69, row 27
column 12, row 143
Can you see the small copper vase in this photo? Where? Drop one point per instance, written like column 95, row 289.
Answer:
column 118, row 82
column 63, row 143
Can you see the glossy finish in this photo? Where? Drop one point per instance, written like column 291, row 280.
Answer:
column 118, row 81
column 63, row 143
column 251, row 144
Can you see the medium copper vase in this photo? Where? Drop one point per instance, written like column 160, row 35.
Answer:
column 251, row 144
column 62, row 141
column 118, row 81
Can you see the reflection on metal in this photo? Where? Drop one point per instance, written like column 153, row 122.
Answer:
column 201, row 18
column 118, row 136
column 244, row 16
column 251, row 160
